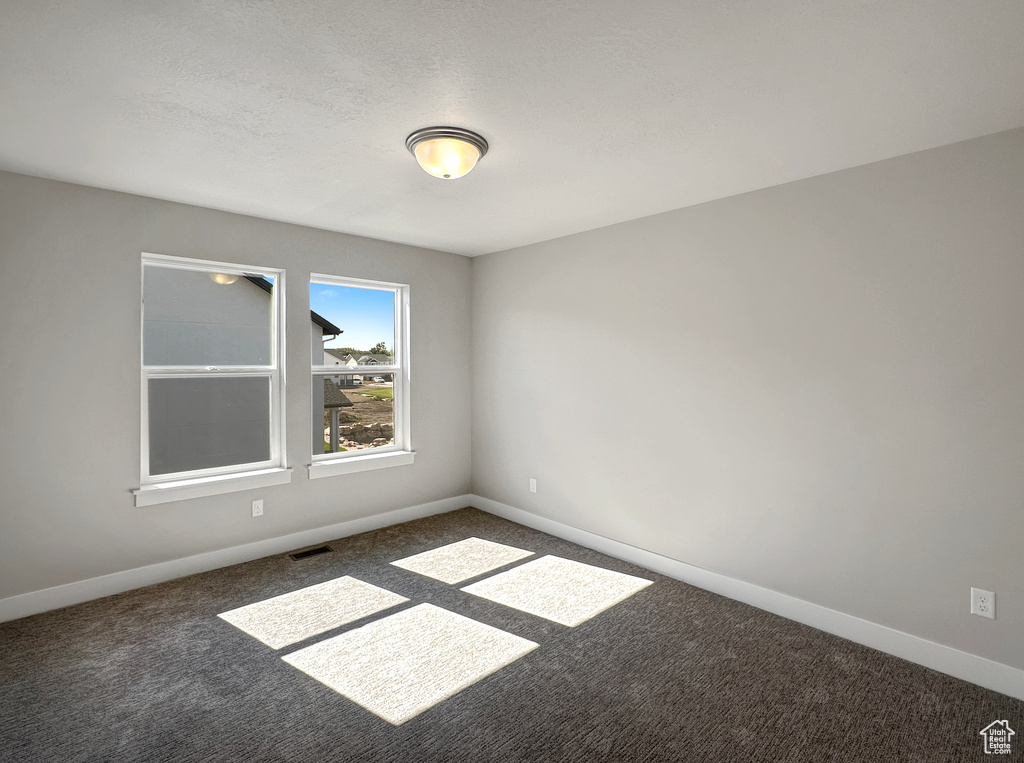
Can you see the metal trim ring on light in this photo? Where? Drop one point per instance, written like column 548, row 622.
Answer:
column 429, row 133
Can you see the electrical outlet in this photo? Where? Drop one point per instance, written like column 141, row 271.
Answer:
column 257, row 507
column 983, row 603
column 533, row 485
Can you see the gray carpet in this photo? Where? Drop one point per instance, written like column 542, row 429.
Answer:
column 672, row 673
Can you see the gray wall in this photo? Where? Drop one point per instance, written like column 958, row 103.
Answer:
column 70, row 279
column 817, row 388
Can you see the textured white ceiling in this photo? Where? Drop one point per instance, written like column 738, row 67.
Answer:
column 596, row 112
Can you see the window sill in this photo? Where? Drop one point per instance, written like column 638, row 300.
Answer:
column 354, row 464
column 182, row 490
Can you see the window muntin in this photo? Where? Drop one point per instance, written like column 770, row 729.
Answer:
column 359, row 378
column 211, row 375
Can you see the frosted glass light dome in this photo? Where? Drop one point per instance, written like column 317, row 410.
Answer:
column 446, row 152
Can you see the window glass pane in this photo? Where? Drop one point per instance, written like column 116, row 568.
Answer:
column 353, row 412
column 366, row 318
column 196, row 318
column 208, row 422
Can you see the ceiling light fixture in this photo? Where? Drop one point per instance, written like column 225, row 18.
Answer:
column 223, row 278
column 446, row 152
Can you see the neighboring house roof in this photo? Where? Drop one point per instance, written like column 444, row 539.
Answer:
column 342, row 356
column 319, row 320
column 326, row 325
column 363, row 359
column 334, row 397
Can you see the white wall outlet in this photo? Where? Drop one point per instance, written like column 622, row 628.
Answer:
column 257, row 507
column 983, row 603
column 533, row 485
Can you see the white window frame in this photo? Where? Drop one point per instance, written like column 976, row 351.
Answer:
column 401, row 452
column 196, row 483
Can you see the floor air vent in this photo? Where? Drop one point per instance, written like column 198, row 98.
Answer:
column 310, row 552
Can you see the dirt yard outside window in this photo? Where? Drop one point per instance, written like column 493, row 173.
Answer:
column 369, row 422
column 367, row 408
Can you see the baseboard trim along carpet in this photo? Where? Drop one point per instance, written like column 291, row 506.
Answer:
column 35, row 602
column 954, row 662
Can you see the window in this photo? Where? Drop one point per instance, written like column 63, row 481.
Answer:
column 212, row 336
column 360, row 377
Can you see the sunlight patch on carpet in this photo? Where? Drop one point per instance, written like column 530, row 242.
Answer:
column 403, row 664
column 462, row 560
column 296, row 616
column 558, row 589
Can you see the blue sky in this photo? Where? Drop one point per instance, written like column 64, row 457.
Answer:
column 367, row 316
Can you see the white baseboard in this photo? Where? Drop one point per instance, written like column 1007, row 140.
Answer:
column 959, row 664
column 954, row 662
column 85, row 590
